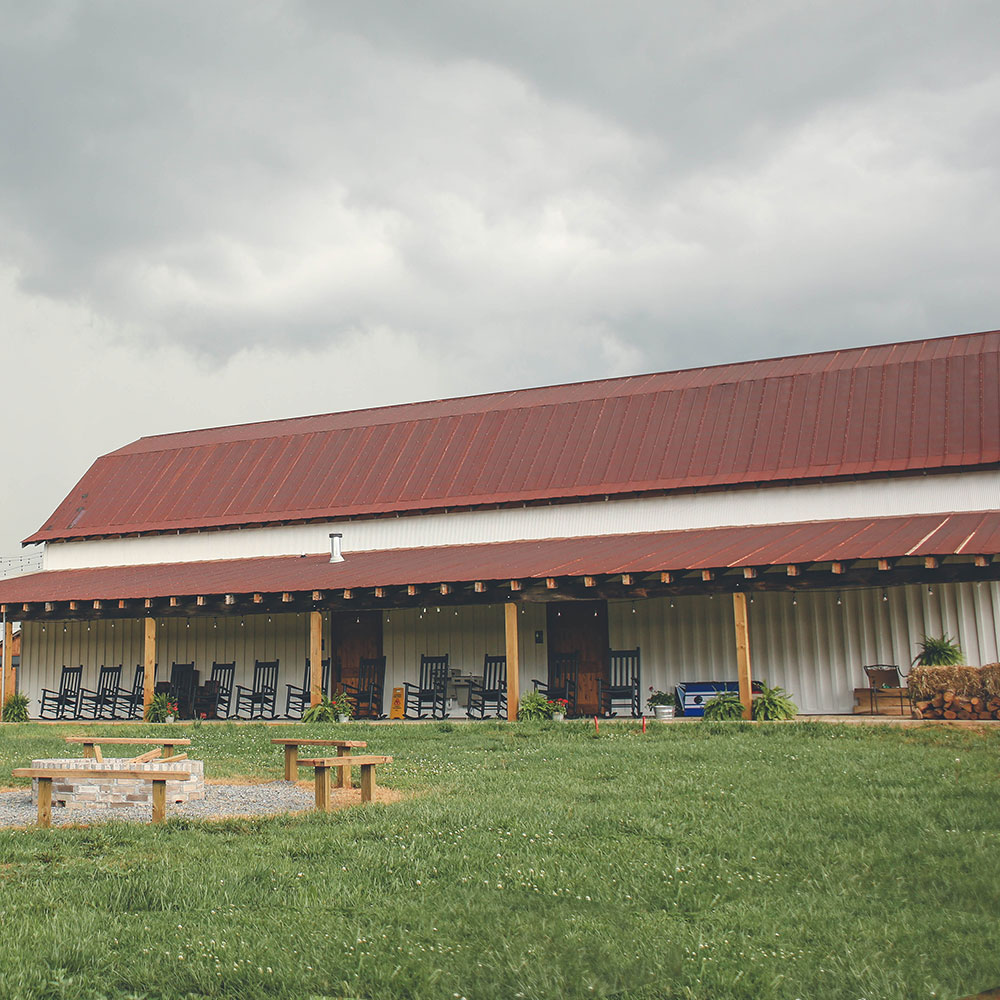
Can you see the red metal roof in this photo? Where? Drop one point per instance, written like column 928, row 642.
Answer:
column 707, row 548
column 931, row 404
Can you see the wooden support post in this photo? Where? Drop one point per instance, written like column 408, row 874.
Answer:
column 315, row 657
column 168, row 750
column 159, row 800
column 45, row 802
column 344, row 775
column 367, row 782
column 88, row 750
column 291, row 761
column 8, row 675
column 98, row 754
column 149, row 665
column 743, row 652
column 513, row 658
column 322, row 788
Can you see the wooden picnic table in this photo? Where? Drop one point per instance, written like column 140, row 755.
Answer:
column 92, row 744
column 44, row 776
column 323, row 765
column 292, row 744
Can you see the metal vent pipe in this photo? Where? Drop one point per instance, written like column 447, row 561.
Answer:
column 336, row 554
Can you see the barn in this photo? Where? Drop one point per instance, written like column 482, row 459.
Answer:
column 796, row 517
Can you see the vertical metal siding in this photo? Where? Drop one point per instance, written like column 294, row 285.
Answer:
column 814, row 648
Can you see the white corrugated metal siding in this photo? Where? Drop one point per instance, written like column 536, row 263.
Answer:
column 47, row 648
column 808, row 643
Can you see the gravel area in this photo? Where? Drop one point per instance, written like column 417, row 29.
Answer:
column 18, row 809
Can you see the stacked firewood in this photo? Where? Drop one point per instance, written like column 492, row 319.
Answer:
column 949, row 705
column 958, row 692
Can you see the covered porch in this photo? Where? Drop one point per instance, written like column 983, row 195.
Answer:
column 802, row 606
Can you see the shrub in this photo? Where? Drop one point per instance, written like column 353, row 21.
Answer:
column 938, row 651
column 324, row 711
column 534, row 706
column 15, row 708
column 773, row 703
column 725, row 707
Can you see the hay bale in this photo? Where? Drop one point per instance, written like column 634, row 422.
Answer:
column 925, row 682
column 990, row 673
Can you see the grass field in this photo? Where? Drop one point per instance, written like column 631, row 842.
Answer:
column 716, row 861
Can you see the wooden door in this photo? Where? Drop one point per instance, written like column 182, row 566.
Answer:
column 582, row 626
column 354, row 634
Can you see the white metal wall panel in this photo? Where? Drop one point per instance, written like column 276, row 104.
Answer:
column 773, row 505
column 813, row 644
column 47, row 648
column 815, row 647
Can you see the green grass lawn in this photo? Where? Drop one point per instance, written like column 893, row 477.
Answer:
column 714, row 861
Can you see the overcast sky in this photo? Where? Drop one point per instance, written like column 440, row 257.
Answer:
column 227, row 211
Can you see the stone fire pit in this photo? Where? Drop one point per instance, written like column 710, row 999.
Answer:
column 106, row 791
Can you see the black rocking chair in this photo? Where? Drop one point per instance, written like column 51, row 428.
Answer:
column 182, row 688
column 298, row 699
column 491, row 689
column 621, row 688
column 564, row 679
column 211, row 700
column 259, row 699
column 95, row 703
column 367, row 693
column 66, row 699
column 432, row 689
column 128, row 704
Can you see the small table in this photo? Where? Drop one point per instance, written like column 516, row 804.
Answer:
column 292, row 744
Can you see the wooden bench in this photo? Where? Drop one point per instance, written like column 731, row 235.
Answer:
column 46, row 774
column 92, row 744
column 292, row 744
column 323, row 765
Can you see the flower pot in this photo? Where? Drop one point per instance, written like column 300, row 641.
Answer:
column 663, row 712
column 343, row 718
column 558, row 717
column 169, row 718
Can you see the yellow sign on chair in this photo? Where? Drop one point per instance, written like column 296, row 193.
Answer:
column 398, row 709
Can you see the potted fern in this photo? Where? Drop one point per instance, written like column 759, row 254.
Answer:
column 938, row 651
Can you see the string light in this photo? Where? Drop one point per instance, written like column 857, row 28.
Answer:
column 885, row 596
column 839, row 601
column 930, row 591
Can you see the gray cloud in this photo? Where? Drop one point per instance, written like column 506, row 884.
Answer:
column 455, row 197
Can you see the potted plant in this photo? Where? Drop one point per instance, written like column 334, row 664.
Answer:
column 559, row 706
column 534, row 707
column 343, row 706
column 662, row 703
column 938, row 651
column 161, row 709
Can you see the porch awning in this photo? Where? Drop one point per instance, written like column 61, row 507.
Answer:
column 937, row 535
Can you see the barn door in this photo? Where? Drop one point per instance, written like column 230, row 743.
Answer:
column 582, row 626
column 354, row 634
